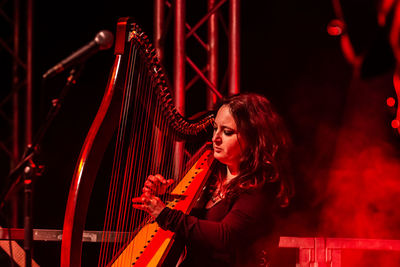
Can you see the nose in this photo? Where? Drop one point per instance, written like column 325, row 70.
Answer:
column 216, row 137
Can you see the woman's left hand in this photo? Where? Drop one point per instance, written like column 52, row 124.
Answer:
column 149, row 203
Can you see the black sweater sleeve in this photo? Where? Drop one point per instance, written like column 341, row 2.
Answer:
column 242, row 222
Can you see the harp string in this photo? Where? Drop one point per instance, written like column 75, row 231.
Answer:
column 116, row 205
column 105, row 246
column 131, row 165
column 141, row 166
column 115, row 183
column 139, row 140
column 144, row 145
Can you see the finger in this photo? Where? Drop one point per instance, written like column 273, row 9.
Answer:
column 137, row 200
column 152, row 179
column 150, row 185
column 146, row 190
column 146, row 195
column 170, row 181
column 160, row 178
column 139, row 207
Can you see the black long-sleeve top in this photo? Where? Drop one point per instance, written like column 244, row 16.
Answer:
column 223, row 234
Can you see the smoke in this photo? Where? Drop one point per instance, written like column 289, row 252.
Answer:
column 362, row 194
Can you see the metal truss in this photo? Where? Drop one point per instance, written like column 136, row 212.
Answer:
column 214, row 19
column 183, row 32
column 16, row 93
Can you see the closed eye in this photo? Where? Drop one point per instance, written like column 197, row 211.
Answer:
column 228, row 132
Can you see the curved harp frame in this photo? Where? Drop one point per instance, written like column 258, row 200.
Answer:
column 102, row 130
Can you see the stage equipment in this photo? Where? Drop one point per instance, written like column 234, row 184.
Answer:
column 102, row 41
column 138, row 123
column 17, row 89
column 187, row 43
column 26, row 172
column 395, row 101
column 325, row 251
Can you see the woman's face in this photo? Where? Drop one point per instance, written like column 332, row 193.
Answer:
column 227, row 142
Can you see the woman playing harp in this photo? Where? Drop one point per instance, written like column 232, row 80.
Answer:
column 250, row 182
column 137, row 126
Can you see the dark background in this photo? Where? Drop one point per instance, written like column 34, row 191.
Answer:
column 286, row 54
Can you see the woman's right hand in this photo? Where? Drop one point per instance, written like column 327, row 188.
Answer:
column 156, row 184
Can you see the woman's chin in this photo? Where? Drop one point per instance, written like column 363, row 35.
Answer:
column 217, row 156
column 220, row 158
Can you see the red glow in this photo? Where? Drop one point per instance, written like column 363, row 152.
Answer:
column 390, row 101
column 363, row 187
column 361, row 191
column 395, row 124
column 364, row 195
column 335, row 27
column 385, row 7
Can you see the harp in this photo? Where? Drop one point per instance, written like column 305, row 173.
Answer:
column 137, row 118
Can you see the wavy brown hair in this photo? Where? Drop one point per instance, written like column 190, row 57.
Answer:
column 265, row 159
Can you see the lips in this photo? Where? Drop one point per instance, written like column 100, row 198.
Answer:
column 217, row 149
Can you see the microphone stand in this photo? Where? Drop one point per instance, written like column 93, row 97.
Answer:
column 28, row 170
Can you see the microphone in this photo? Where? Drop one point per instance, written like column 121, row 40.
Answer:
column 103, row 40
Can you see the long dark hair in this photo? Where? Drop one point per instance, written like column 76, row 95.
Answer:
column 265, row 159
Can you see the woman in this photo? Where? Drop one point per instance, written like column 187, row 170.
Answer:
column 251, row 181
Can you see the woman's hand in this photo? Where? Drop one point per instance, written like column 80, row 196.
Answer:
column 156, row 184
column 149, row 203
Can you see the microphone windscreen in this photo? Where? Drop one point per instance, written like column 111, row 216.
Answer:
column 104, row 39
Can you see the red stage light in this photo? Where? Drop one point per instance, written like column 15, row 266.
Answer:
column 390, row 101
column 335, row 27
column 395, row 124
